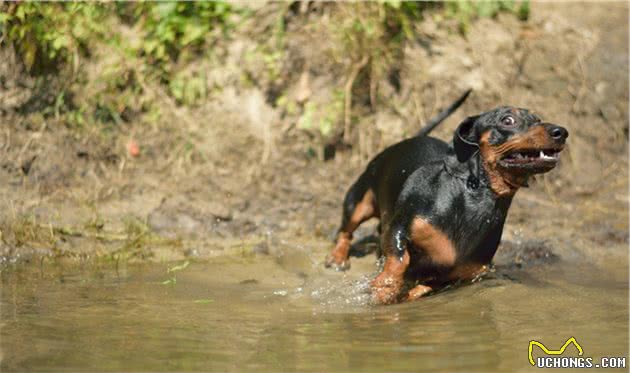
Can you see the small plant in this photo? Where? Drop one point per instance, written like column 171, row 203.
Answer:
column 203, row 301
column 26, row 231
column 324, row 117
column 370, row 39
column 466, row 10
column 188, row 88
column 172, row 29
column 171, row 271
column 47, row 35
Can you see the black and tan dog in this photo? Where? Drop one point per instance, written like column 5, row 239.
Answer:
column 442, row 207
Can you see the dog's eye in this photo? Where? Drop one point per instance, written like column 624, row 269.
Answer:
column 508, row 121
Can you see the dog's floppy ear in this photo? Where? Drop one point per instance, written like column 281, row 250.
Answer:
column 464, row 142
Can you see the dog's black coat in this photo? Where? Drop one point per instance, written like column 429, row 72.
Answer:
column 449, row 187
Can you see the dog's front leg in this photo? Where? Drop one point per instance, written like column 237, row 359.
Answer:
column 387, row 285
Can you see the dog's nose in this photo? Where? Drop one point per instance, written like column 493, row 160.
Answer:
column 558, row 133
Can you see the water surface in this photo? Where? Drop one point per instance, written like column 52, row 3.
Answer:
column 286, row 313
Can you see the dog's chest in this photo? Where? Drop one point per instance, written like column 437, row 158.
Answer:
column 471, row 223
column 468, row 217
column 449, row 216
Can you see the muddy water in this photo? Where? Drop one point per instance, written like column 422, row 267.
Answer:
column 285, row 313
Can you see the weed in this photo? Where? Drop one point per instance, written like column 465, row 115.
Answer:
column 178, row 267
column 171, row 271
column 25, row 231
column 465, row 11
column 136, row 240
column 50, row 34
column 203, row 301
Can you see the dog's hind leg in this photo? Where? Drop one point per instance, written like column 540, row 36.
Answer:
column 359, row 206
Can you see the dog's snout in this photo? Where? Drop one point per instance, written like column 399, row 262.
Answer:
column 558, row 133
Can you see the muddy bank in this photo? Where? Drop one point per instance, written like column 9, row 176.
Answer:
column 237, row 174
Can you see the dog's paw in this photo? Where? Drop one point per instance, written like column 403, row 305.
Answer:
column 417, row 293
column 336, row 264
column 385, row 290
column 384, row 295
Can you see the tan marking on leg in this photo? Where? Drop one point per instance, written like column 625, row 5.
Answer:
column 417, row 292
column 364, row 210
column 433, row 242
column 387, row 285
column 338, row 257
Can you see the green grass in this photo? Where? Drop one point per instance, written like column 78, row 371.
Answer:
column 148, row 44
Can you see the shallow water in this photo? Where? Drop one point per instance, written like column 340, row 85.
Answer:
column 286, row 313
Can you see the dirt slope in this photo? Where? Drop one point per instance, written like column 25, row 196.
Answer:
column 234, row 174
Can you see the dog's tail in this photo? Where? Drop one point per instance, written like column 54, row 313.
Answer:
column 443, row 115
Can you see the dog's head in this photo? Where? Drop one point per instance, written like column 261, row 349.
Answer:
column 513, row 144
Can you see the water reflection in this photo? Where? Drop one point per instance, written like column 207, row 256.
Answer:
column 265, row 314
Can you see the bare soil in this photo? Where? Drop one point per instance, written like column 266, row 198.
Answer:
column 234, row 176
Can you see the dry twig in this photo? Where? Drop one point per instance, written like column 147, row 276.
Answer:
column 348, row 96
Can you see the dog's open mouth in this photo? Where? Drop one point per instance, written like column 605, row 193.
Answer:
column 532, row 159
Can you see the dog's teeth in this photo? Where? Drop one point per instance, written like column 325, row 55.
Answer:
column 552, row 156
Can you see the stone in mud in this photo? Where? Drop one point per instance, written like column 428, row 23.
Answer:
column 179, row 214
column 524, row 254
